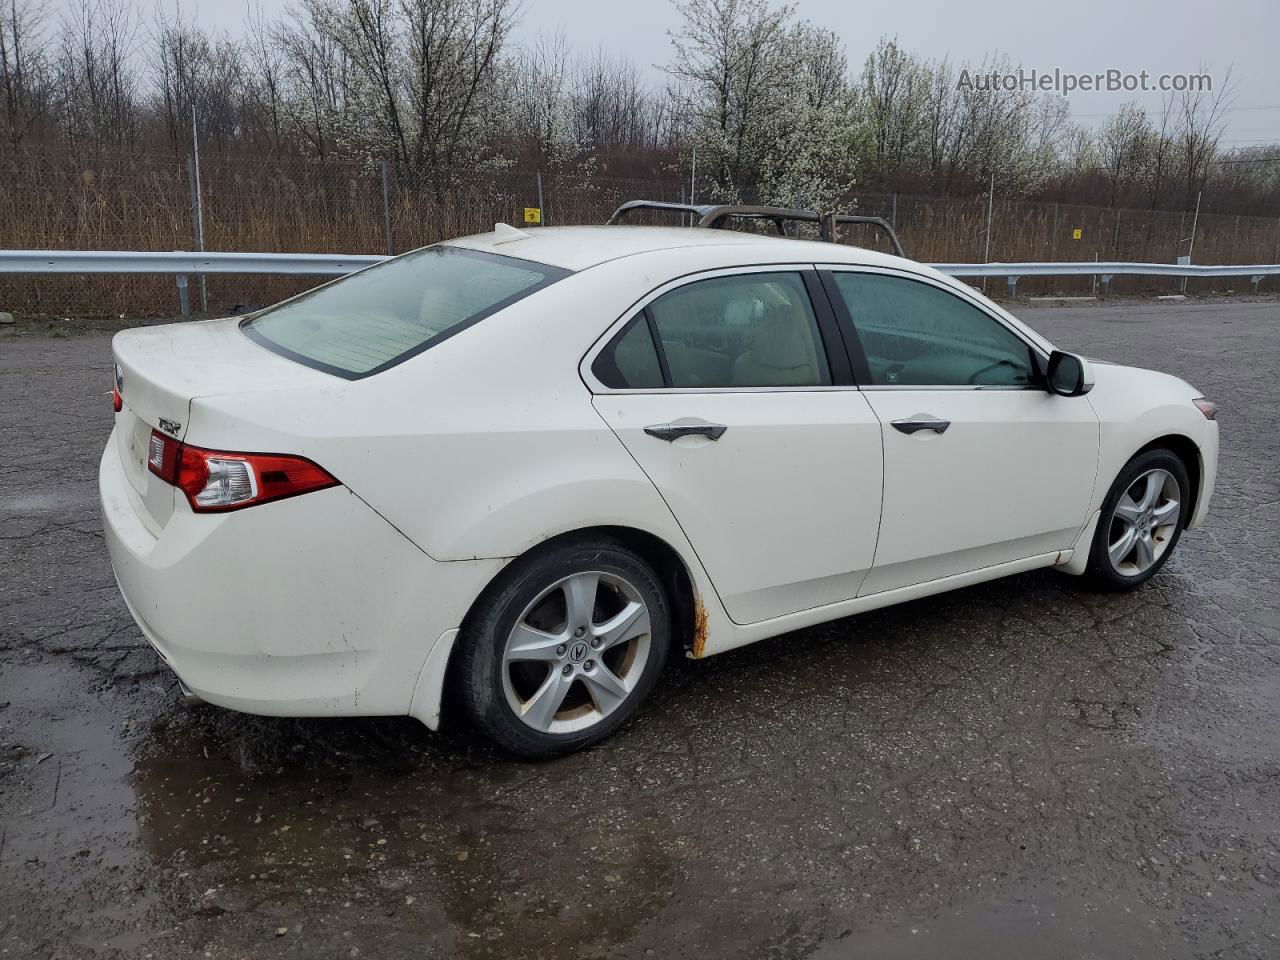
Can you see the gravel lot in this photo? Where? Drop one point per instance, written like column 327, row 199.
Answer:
column 1020, row 769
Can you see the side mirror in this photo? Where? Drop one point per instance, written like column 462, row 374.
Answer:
column 1068, row 375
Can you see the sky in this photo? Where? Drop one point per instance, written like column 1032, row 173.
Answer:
column 1080, row 36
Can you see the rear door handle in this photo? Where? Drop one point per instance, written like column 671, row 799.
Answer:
column 671, row 432
column 925, row 422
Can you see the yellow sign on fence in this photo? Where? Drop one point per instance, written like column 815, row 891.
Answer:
column 1076, row 234
column 532, row 214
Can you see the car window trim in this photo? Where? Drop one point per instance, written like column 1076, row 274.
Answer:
column 663, row 366
column 829, row 333
column 641, row 306
column 858, row 357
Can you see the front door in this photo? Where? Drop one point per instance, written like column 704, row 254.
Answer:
column 722, row 390
column 982, row 465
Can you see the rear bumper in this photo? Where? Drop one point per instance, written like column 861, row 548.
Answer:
column 311, row 606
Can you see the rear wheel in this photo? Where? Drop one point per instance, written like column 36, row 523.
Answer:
column 1141, row 521
column 562, row 653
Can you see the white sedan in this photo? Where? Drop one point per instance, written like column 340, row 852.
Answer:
column 524, row 467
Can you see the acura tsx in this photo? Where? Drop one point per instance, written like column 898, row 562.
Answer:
column 524, row 467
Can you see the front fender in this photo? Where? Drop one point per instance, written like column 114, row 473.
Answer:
column 1138, row 407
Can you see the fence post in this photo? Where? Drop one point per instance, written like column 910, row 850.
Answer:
column 197, row 206
column 693, row 178
column 386, row 206
column 1191, row 249
column 986, row 253
column 542, row 214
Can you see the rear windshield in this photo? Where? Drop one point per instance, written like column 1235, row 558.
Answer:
column 376, row 318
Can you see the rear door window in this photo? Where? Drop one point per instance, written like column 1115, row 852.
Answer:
column 748, row 330
column 630, row 362
column 374, row 319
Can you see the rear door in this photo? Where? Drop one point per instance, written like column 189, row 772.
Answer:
column 727, row 391
column 982, row 464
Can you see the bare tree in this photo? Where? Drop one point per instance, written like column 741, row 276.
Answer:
column 1122, row 143
column 27, row 86
column 97, row 45
column 1201, row 116
column 265, row 81
column 420, row 72
column 1159, row 151
column 611, row 108
column 317, row 79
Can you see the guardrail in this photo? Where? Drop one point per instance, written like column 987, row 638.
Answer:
column 127, row 261
column 1106, row 271
column 332, row 264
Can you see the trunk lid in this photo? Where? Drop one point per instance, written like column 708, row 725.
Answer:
column 162, row 369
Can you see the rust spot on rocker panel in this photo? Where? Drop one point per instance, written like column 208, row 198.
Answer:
column 699, row 628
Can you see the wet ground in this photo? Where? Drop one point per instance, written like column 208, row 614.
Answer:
column 1021, row 769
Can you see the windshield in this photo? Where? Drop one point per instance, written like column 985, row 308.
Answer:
column 378, row 317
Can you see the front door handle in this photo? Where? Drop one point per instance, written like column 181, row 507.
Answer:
column 671, row 432
column 923, row 422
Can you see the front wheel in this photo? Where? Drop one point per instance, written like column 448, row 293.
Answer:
column 562, row 653
column 1141, row 521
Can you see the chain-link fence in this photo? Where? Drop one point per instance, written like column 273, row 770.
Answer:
column 147, row 202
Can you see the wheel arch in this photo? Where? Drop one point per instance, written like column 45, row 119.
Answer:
column 689, row 621
column 1186, row 450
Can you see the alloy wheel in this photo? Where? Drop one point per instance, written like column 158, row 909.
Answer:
column 576, row 653
column 1143, row 522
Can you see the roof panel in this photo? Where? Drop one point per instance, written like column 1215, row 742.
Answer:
column 577, row 248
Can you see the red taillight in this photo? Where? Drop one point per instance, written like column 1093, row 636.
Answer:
column 162, row 457
column 117, row 401
column 117, row 389
column 218, row 480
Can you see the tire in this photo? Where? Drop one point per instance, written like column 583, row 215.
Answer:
column 1112, row 566
column 509, row 679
